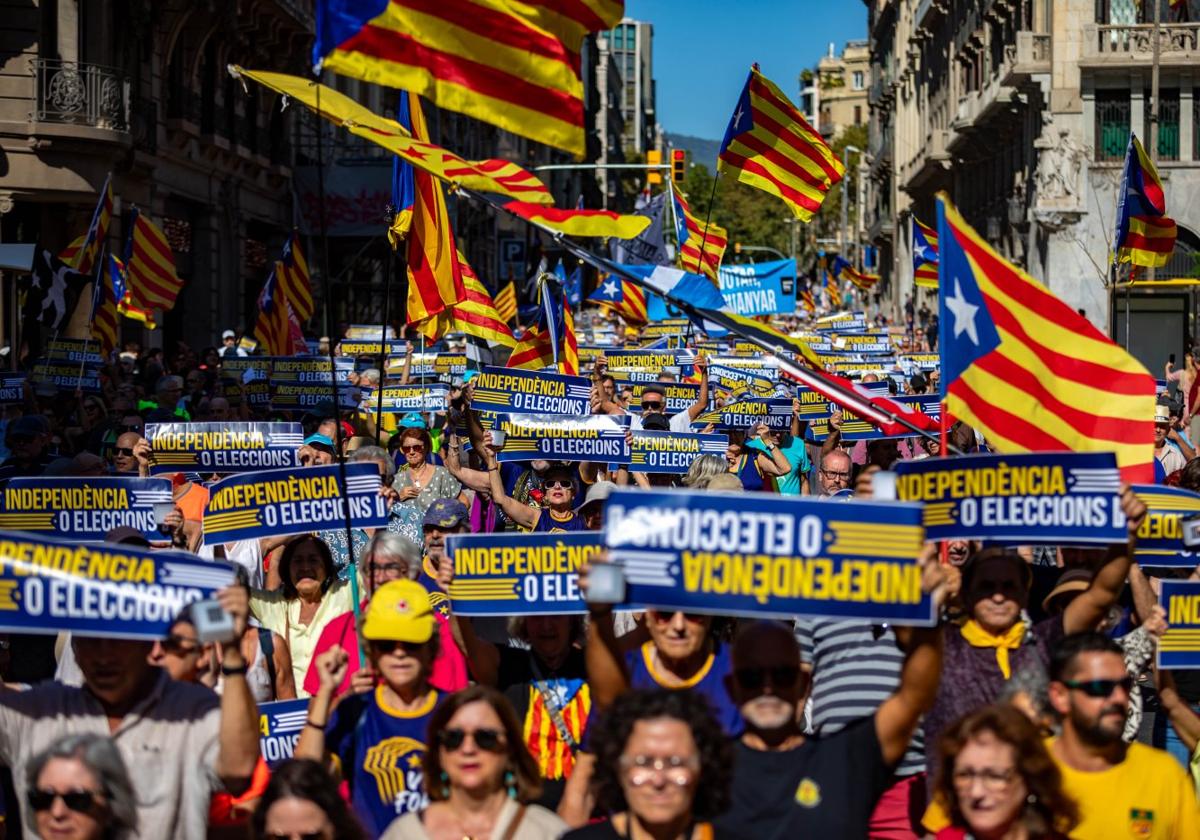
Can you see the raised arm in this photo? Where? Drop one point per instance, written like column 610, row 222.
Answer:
column 331, row 670
column 701, row 404
column 238, row 748
column 602, row 654
column 1085, row 612
column 523, row 515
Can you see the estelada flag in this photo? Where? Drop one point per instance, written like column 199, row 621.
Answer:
column 1145, row 234
column 925, row 254
column 1028, row 370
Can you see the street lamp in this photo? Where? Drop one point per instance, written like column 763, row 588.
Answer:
column 845, row 194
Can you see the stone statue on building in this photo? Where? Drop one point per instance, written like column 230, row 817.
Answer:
column 1060, row 164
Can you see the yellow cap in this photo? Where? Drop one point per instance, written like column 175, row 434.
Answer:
column 399, row 611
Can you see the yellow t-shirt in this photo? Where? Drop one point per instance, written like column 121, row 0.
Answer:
column 1148, row 796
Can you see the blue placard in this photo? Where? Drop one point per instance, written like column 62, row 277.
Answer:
column 869, row 345
column 368, row 332
column 764, row 288
column 116, row 591
column 733, row 378
column 1160, row 537
column 66, row 375
column 582, row 437
column 444, row 365
column 1038, row 497
column 745, row 414
column 296, row 501
column 649, row 360
column 680, row 395
column 315, row 370
column 370, row 348
column 75, row 350
column 842, row 322
column 286, row 396
column 765, row 555
column 813, row 405
column 519, row 574
column 83, row 509
column 672, row 452
column 401, row 399
column 529, row 392
column 279, row 727
column 12, row 388
column 223, row 447
column 1180, row 645
column 854, row 428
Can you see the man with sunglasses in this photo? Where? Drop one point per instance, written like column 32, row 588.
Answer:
column 378, row 737
column 654, row 401
column 124, row 454
column 788, row 785
column 1126, row 790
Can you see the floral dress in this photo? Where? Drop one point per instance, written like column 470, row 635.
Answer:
column 407, row 517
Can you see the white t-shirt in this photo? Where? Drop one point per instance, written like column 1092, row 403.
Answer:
column 680, row 422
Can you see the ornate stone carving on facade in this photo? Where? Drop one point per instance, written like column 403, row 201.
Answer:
column 1060, row 165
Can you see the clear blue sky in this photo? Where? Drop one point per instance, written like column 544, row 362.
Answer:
column 703, row 50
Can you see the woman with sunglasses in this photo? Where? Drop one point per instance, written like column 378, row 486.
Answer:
column 996, row 780
column 757, row 466
column 418, row 484
column 378, row 736
column 79, row 789
column 662, row 769
column 301, row 802
column 478, row 776
column 558, row 496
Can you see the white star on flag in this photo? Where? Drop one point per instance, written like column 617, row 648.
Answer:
column 964, row 314
column 609, row 289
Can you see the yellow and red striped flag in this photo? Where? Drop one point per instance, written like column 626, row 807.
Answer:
column 506, row 301
column 806, row 300
column 769, row 145
column 581, row 222
column 623, row 297
column 532, row 351
column 474, row 315
column 1026, row 369
column 691, row 233
column 150, row 278
column 294, row 282
column 278, row 325
column 71, row 252
column 568, row 357
column 514, row 65
column 88, row 256
column 105, row 320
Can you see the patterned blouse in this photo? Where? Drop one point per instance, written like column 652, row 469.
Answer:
column 407, row 517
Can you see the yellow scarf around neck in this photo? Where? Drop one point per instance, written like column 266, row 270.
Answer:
column 976, row 636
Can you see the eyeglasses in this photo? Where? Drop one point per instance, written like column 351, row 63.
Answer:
column 1100, row 688
column 490, row 740
column 123, row 450
column 844, row 476
column 295, row 835
column 675, row 769
column 177, row 645
column 390, row 645
column 82, row 801
column 414, row 447
column 992, row 779
column 652, row 406
column 782, row 676
column 389, row 568
column 560, row 483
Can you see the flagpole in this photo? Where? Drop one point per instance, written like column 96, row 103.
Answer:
column 387, row 315
column 712, row 196
column 92, row 317
column 785, row 359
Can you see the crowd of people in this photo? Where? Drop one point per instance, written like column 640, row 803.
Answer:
column 1033, row 710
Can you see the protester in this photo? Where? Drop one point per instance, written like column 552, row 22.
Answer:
column 559, row 486
column 419, row 483
column 78, row 789
column 302, row 801
column 480, row 780
column 662, row 769
column 834, row 474
column 1166, row 448
column 997, row 780
column 378, row 736
column 756, row 458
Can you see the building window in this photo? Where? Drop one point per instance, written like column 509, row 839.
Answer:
column 1168, row 123
column 1112, row 124
column 858, row 115
column 858, row 81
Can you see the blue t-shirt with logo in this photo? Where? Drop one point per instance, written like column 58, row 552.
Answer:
column 709, row 681
column 381, row 750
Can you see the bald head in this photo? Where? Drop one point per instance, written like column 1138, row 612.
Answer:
column 835, row 471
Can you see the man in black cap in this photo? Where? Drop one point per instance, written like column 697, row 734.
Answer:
column 27, row 439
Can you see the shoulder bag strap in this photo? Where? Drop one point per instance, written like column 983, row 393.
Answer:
column 552, row 706
column 511, row 831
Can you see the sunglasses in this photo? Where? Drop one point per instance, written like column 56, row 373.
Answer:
column 490, row 740
column 390, row 645
column 415, row 447
column 81, row 801
column 179, row 645
column 18, row 439
column 651, row 406
column 123, row 450
column 665, row 617
column 782, row 676
column 124, row 429
column 1100, row 688
column 300, row 835
column 559, row 483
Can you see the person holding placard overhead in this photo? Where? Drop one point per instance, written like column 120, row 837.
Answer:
column 558, row 485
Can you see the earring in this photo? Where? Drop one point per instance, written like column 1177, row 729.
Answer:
column 1031, row 799
column 445, row 780
column 510, row 781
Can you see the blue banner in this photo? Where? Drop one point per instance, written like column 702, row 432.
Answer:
column 529, row 392
column 519, row 574
column 776, row 413
column 1160, row 537
column 83, row 509
column 584, row 437
column 292, row 397
column 279, row 727
column 1180, row 645
column 12, row 388
column 401, row 399
column 368, row 332
column 295, row 501
column 66, row 375
column 85, row 350
column 855, row 428
column 842, row 322
column 765, row 555
column 223, row 447
column 672, row 452
column 871, row 345
column 1039, row 497
column 115, row 591
column 765, row 288
column 444, row 365
column 680, row 395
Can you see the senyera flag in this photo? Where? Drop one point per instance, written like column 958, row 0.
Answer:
column 1026, row 369
column 514, row 65
column 581, row 222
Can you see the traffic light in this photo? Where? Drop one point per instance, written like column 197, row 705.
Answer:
column 654, row 158
column 678, row 165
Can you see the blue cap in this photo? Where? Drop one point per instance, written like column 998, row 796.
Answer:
column 446, row 513
column 324, row 440
column 468, row 375
column 413, row 420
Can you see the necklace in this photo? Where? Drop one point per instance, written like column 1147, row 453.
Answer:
column 417, row 483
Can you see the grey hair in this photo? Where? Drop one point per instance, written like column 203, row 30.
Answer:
column 395, row 545
column 101, row 758
column 164, row 381
column 375, row 453
column 703, row 470
column 371, row 374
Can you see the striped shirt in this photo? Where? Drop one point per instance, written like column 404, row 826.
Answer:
column 853, row 673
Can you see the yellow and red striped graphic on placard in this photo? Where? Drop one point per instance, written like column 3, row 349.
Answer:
column 515, row 65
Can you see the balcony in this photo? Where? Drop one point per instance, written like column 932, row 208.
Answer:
column 88, row 96
column 932, row 162
column 1109, row 45
column 1028, row 58
column 929, row 12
